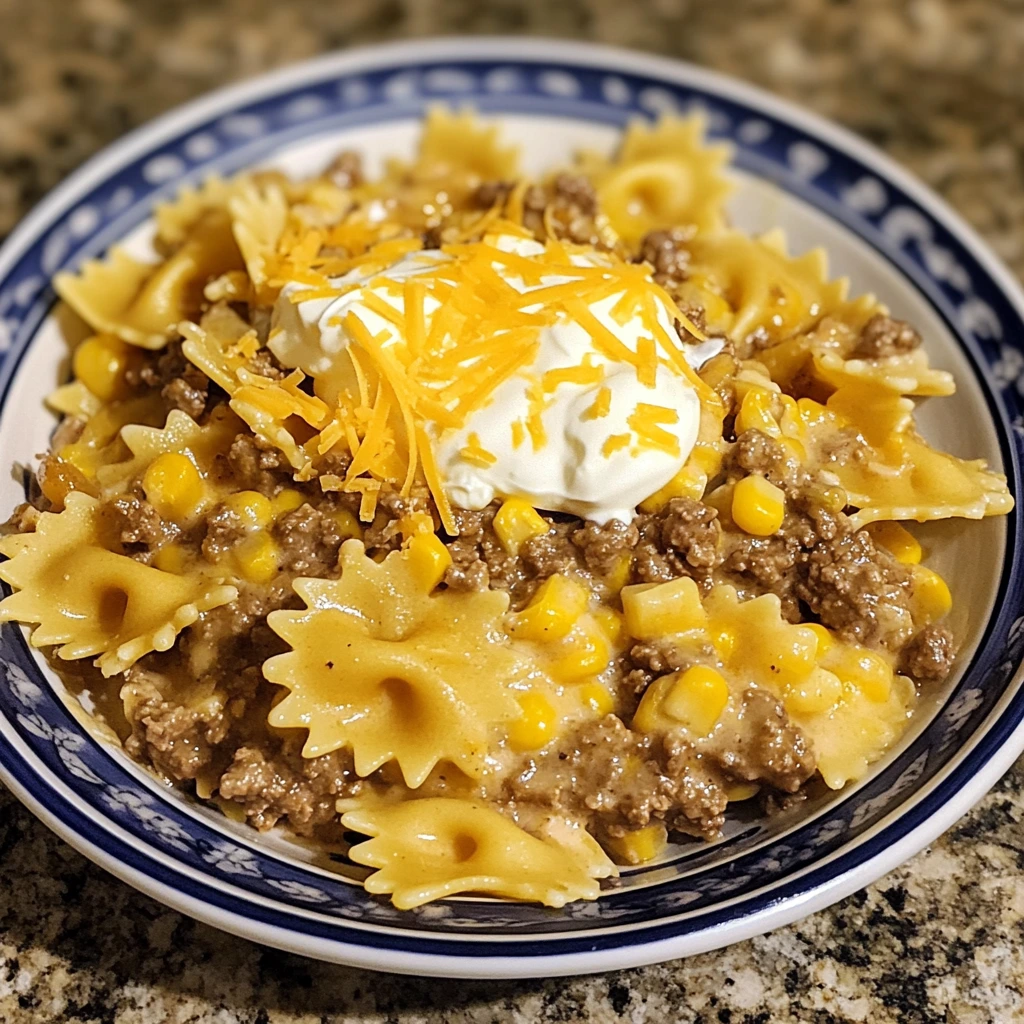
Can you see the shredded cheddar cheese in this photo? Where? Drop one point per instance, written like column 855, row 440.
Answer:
column 647, row 422
column 460, row 326
column 615, row 443
column 601, row 406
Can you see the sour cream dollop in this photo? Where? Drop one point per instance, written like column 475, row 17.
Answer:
column 594, row 448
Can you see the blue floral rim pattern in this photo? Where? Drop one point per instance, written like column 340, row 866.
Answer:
column 45, row 752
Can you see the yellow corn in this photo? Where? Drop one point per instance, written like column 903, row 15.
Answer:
column 638, row 846
column 596, row 698
column 897, row 540
column 173, row 486
column 813, row 695
column 584, row 652
column 254, row 509
column 697, row 698
column 517, row 521
column 619, row 576
column 429, row 559
column 756, row 413
column 707, row 458
column 867, row 671
column 536, row 727
column 647, row 716
column 931, row 598
column 689, row 482
column 347, row 524
column 822, row 635
column 414, row 523
column 100, row 363
column 287, row 500
column 758, row 507
column 811, row 412
column 740, row 791
column 720, row 499
column 795, row 658
column 257, row 557
column 833, row 499
column 553, row 611
column 724, row 639
column 656, row 609
column 610, row 622
column 794, row 448
column 170, row 558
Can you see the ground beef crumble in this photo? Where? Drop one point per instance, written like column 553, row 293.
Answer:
column 884, row 336
column 665, row 250
column 765, row 746
column 182, row 385
column 273, row 781
column 683, row 539
column 929, row 655
column 138, row 526
column 859, row 590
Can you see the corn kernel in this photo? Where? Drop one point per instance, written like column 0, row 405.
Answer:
column 584, row 652
column 697, row 698
column 619, row 576
column 793, row 448
column 720, row 499
column 610, row 622
column 536, row 727
column 823, row 636
column 897, row 540
column 724, row 639
column 257, row 557
column 813, row 695
column 638, row 846
column 347, row 524
column 930, row 597
column 689, row 482
column 833, row 499
column 553, row 611
column 287, row 500
column 414, row 523
column 100, row 363
column 429, row 559
column 656, row 609
column 596, row 698
column 758, row 507
column 811, row 412
column 517, row 521
column 173, row 486
column 707, row 458
column 795, row 658
column 170, row 558
column 740, row 791
column 756, row 413
column 254, row 509
column 869, row 672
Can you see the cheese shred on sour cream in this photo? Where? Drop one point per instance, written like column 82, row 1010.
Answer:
column 516, row 369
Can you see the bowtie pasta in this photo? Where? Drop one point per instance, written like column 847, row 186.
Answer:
column 261, row 524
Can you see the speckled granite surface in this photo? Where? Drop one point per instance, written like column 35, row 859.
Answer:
column 940, row 86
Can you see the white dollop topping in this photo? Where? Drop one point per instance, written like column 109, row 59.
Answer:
column 593, row 440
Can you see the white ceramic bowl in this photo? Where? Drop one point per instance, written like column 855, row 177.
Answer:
column 881, row 227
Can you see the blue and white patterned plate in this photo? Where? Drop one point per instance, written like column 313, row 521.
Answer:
column 882, row 228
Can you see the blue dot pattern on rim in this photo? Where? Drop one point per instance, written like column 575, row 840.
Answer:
column 164, row 839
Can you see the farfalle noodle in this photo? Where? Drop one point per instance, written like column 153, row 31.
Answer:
column 89, row 600
column 424, row 850
column 380, row 665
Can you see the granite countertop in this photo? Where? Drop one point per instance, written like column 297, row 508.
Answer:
column 939, row 85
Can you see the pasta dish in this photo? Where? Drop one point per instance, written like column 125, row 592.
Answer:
column 492, row 530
